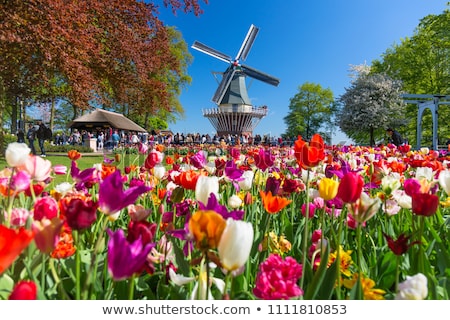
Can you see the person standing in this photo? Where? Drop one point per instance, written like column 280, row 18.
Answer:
column 41, row 138
column 31, row 136
column 20, row 136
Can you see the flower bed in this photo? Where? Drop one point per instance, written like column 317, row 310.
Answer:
column 228, row 222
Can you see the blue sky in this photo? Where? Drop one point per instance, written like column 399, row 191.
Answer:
column 298, row 42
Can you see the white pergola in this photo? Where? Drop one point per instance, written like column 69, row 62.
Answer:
column 427, row 101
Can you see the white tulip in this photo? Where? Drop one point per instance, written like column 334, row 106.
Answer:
column 235, row 244
column 234, row 201
column 413, row 288
column 17, row 154
column 247, row 180
column 444, row 181
column 205, row 186
column 159, row 171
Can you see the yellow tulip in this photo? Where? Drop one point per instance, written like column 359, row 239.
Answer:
column 328, row 188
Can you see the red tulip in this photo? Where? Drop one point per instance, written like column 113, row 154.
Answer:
column 24, row 290
column 424, row 204
column 310, row 154
column 12, row 243
column 350, row 187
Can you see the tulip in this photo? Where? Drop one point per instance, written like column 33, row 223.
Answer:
column 47, row 233
column 310, row 154
column 444, row 181
column 154, row 157
column 205, row 186
column 263, row 159
column 413, row 288
column 24, row 290
column 38, row 168
column 424, row 204
column 247, row 180
column 20, row 181
column 364, row 208
column 60, row 169
column 45, row 207
column 12, row 243
column 124, row 258
column 350, row 187
column 390, row 184
column 18, row 217
column 273, row 204
column 235, row 244
column 80, row 213
column 159, row 171
column 113, row 185
column 206, row 227
column 399, row 246
column 16, row 154
column 328, row 188
column 277, row 278
column 74, row 155
column 311, row 210
column 199, row 159
column 234, row 201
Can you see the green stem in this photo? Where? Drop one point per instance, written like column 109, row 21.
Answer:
column 76, row 236
column 305, row 232
column 57, row 279
column 87, row 289
column 359, row 295
column 131, row 287
column 421, row 261
column 397, row 273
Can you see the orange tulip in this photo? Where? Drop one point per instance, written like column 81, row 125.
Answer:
column 310, row 154
column 73, row 155
column 188, row 179
column 206, row 226
column 273, row 204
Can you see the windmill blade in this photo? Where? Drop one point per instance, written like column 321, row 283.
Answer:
column 223, row 86
column 248, row 43
column 256, row 74
column 210, row 51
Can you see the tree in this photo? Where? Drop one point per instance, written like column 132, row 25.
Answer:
column 311, row 110
column 114, row 52
column 422, row 63
column 371, row 104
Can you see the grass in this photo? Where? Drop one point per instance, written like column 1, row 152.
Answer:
column 83, row 163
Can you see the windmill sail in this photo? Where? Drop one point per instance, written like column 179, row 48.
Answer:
column 210, row 51
column 248, row 43
column 223, row 86
column 258, row 75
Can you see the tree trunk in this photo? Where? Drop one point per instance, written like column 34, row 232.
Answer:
column 52, row 113
column 372, row 140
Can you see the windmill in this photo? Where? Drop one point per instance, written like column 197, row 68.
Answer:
column 235, row 114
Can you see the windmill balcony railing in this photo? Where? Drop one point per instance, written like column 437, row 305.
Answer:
column 236, row 109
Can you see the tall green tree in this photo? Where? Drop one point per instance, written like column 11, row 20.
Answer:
column 422, row 63
column 371, row 104
column 310, row 111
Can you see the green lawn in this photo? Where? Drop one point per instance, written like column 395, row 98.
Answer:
column 83, row 163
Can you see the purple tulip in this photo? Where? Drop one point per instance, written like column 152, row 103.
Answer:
column 125, row 258
column 111, row 196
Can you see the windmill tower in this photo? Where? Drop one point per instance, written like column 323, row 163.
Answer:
column 235, row 113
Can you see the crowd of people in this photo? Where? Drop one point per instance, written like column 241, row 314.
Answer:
column 111, row 138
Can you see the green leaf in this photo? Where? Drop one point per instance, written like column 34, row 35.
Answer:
column 319, row 275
